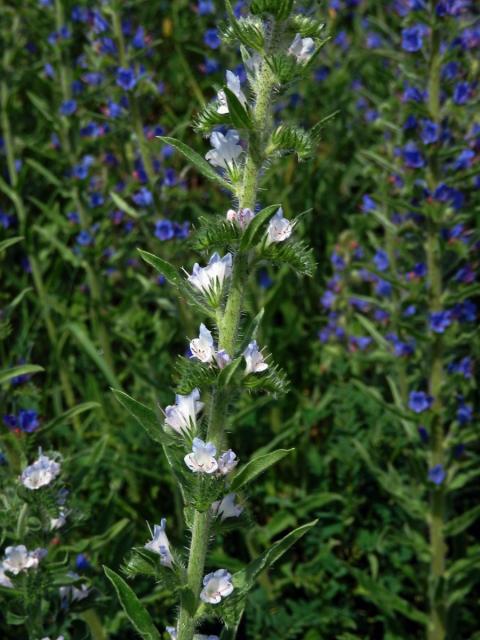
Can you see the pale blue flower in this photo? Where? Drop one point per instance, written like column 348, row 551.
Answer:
column 254, row 359
column 202, row 458
column 160, row 544
column 182, row 416
column 216, row 585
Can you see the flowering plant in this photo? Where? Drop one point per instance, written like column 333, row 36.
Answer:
column 277, row 45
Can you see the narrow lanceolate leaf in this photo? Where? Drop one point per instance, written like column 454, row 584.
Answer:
column 252, row 232
column 256, row 466
column 136, row 612
column 69, row 414
column 460, row 523
column 233, row 607
column 238, row 114
column 162, row 266
column 123, row 205
column 294, row 253
column 84, row 340
column 144, row 415
column 197, row 161
column 9, row 242
column 21, row 370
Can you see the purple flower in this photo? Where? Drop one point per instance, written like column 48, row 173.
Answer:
column 383, row 288
column 164, row 230
column 212, row 39
column 439, row 321
column 182, row 231
column 412, row 94
column 380, row 260
column 412, row 156
column 138, row 40
column 464, row 367
column 470, row 38
column 452, row 7
column 368, row 204
column 410, row 123
column 430, row 132
column 436, row 474
column 423, row 433
column 328, row 299
column 143, row 197
column 412, row 37
column 68, row 107
column 10, row 421
column 410, row 311
column 360, row 342
column 126, row 78
column 451, row 70
column 99, row 23
column 82, row 563
column 419, row 401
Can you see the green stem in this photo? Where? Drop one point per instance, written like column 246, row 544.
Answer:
column 36, row 272
column 96, row 304
column 437, row 622
column 228, row 335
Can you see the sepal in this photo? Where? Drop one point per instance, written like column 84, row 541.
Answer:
column 249, row 31
column 274, row 380
column 306, row 26
column 215, row 233
column 190, row 374
column 280, row 9
column 294, row 253
column 288, row 139
column 209, row 118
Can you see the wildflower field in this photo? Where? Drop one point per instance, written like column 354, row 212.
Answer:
column 239, row 301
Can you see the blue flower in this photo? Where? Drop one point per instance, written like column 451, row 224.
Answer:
column 430, row 132
column 436, row 474
column 211, row 38
column 368, row 204
column 410, row 123
column 96, row 199
column 383, row 288
column 464, row 413
column 27, row 420
column 126, row 78
column 138, row 40
column 464, row 160
column 93, row 78
column 462, row 93
column 205, row 7
column 450, row 71
column 84, row 239
column 452, row 7
column 99, row 23
column 328, row 299
column 419, row 401
column 423, row 433
column 412, row 156
column 439, row 321
column 182, row 231
column 337, row 261
column 143, row 197
column 68, row 107
column 413, row 94
column 412, row 37
column 380, row 260
column 164, row 230
column 82, row 563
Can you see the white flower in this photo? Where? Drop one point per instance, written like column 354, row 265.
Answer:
column 160, row 544
column 222, row 358
column 19, row 559
column 59, row 638
column 216, row 586
column 226, row 507
column 254, row 359
column 74, row 594
column 4, row 579
column 202, row 457
column 182, row 416
column 242, row 217
column 225, row 150
column 57, row 523
column 279, row 228
column 227, row 462
column 172, row 631
column 233, row 83
column 198, row 636
column 202, row 347
column 211, row 278
column 40, row 473
column 302, row 48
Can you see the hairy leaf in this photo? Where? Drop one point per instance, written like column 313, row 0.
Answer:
column 256, row 466
column 145, row 416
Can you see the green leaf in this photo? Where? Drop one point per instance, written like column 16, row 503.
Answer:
column 247, row 31
column 136, row 612
column 238, row 114
column 373, row 331
column 256, row 466
column 66, row 253
column 252, row 232
column 162, row 266
column 232, row 608
column 66, row 416
column 9, row 242
column 291, row 139
column 197, row 161
column 281, row 9
column 21, row 370
column 43, row 171
column 460, row 523
column 123, row 205
column 79, row 333
column 145, row 416
column 190, row 374
column 387, row 601
column 43, row 106
column 215, row 232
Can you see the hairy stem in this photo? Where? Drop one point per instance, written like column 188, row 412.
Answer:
column 228, row 336
column 438, row 549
